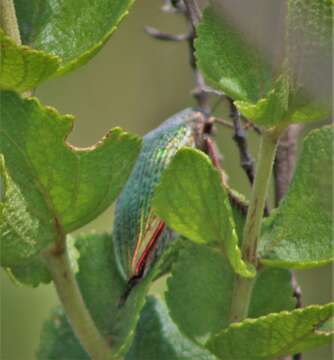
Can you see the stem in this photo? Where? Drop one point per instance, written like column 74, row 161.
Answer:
column 194, row 11
column 74, row 306
column 8, row 20
column 243, row 287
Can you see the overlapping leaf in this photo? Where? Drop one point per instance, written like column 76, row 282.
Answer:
column 299, row 234
column 266, row 94
column 200, row 292
column 192, row 201
column 157, row 337
column 53, row 188
column 74, row 31
column 23, row 68
column 275, row 335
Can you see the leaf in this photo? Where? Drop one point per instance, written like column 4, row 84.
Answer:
column 58, row 341
column 73, row 31
column 200, row 291
column 53, row 188
column 272, row 108
column 227, row 62
column 101, row 286
column 272, row 292
column 157, row 337
column 271, row 94
column 23, row 68
column 309, row 43
column 299, row 233
column 274, row 335
column 193, row 202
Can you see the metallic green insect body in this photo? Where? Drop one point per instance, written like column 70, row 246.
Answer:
column 135, row 227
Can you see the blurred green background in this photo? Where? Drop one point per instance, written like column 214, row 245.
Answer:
column 135, row 82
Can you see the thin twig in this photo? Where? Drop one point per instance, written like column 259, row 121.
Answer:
column 159, row 35
column 223, row 122
column 246, row 160
column 194, row 11
column 285, row 161
column 250, row 125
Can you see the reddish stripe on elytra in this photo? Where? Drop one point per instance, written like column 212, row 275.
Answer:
column 150, row 246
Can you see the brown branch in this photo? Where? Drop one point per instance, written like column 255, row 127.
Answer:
column 285, row 161
column 194, row 11
column 283, row 171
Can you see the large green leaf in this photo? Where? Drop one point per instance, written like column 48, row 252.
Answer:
column 268, row 94
column 228, row 62
column 299, row 234
column 53, row 188
column 157, row 337
column 200, row 292
column 23, row 68
column 275, row 335
column 73, row 30
column 192, row 201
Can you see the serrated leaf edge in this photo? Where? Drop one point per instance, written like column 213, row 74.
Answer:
column 271, row 316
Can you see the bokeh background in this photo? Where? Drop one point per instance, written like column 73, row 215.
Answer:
column 135, row 82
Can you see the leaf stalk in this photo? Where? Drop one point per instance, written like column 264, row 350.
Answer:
column 243, row 287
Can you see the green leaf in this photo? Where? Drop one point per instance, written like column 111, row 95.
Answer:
column 53, row 188
column 57, row 340
column 23, row 68
column 157, row 337
column 274, row 335
column 74, row 31
column 228, row 63
column 272, row 292
column 192, row 201
column 299, row 233
column 270, row 109
column 98, row 274
column 309, row 45
column 200, row 291
column 101, row 286
column 267, row 93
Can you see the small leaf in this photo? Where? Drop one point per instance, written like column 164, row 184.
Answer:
column 53, row 188
column 200, row 291
column 74, row 31
column 157, row 337
column 272, row 108
column 299, row 233
column 23, row 68
column 274, row 335
column 192, row 201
